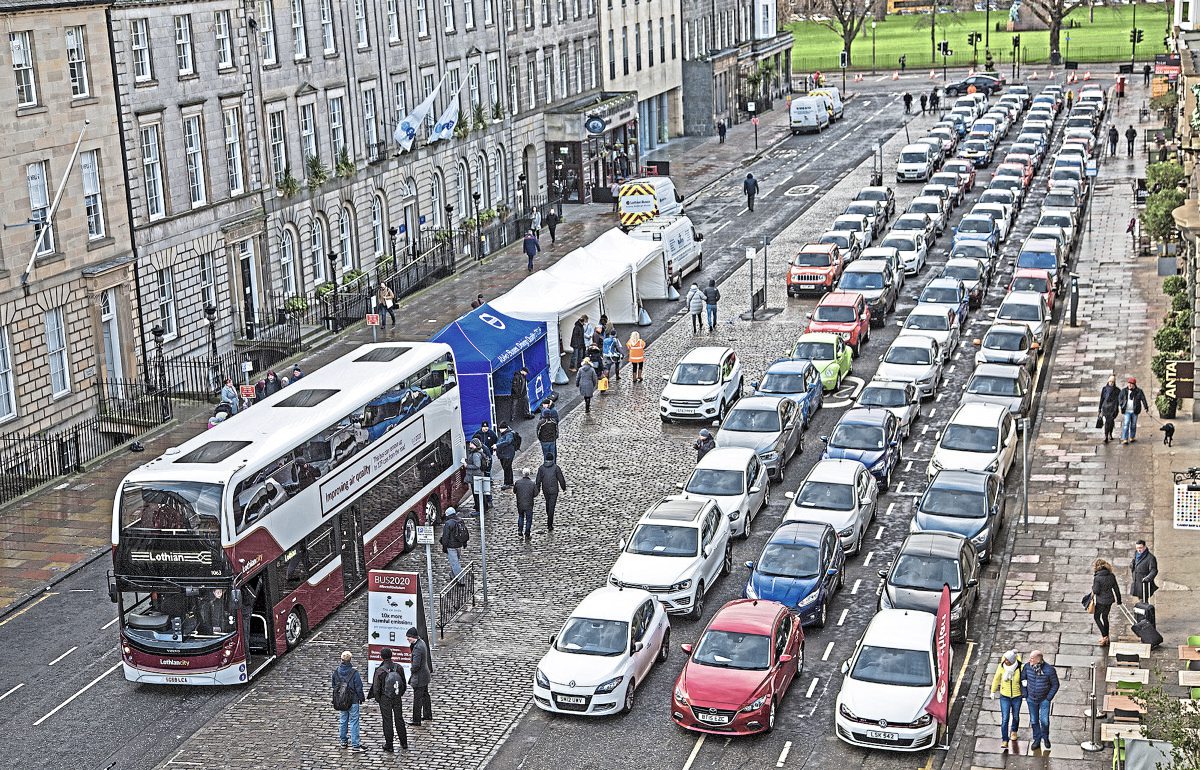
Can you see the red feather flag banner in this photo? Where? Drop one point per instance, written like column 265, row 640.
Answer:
column 939, row 705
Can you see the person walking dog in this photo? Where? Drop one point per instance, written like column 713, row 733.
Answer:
column 1131, row 403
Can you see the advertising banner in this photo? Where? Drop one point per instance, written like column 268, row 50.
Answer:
column 939, row 707
column 393, row 607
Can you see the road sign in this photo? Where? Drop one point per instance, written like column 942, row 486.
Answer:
column 372, row 319
column 425, row 535
column 1091, row 168
column 393, row 607
column 247, row 367
column 750, row 106
column 247, row 391
column 754, row 120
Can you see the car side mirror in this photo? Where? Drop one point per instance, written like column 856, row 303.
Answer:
column 553, row 639
column 824, row 439
column 699, row 237
column 704, row 553
column 716, row 423
column 883, row 573
column 790, row 495
column 686, row 648
column 832, row 572
column 785, row 658
column 755, row 490
column 845, row 667
column 916, row 503
column 899, row 324
column 639, row 646
column 894, row 443
column 622, row 543
column 808, row 316
column 972, row 583
column 754, row 384
column 749, row 565
column 679, row 486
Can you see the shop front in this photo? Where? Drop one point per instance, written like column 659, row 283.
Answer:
column 590, row 144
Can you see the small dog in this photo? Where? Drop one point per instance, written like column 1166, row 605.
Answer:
column 1168, row 431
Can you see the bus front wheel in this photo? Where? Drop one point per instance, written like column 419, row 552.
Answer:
column 432, row 514
column 296, row 627
column 410, row 531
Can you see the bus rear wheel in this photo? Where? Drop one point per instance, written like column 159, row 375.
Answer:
column 433, row 513
column 296, row 627
column 410, row 531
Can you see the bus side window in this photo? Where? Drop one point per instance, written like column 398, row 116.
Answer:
column 319, row 546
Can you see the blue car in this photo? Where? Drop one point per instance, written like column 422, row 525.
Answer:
column 871, row 436
column 976, row 227
column 801, row 567
column 797, row 379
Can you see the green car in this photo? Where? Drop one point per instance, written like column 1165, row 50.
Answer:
column 829, row 353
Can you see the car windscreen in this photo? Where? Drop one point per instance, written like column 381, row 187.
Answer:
column 752, row 421
column 946, row 295
column 964, row 273
column 716, row 482
column 1009, row 341
column 911, row 223
column 948, row 180
column 856, row 436
column 913, row 157
column 871, row 195
column 790, row 560
column 863, row 209
column 812, row 259
column 1058, row 220
column 782, row 383
column 989, row 385
column 814, row 351
column 834, row 314
column 858, row 280
column 1005, row 183
column 927, row 322
column 977, row 250
column 882, row 397
column 696, row 374
column 849, row 225
column 825, row 494
column 971, row 438
column 663, row 540
column 975, row 145
column 1060, row 201
column 889, row 666
column 924, row 207
column 927, row 573
column 841, row 240
column 1019, row 311
column 587, row 636
column 900, row 244
column 993, row 214
column 908, row 356
column 1030, row 283
column 732, row 649
column 961, row 503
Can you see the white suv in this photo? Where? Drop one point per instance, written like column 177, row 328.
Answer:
column 979, row 437
column 677, row 551
column 705, row 383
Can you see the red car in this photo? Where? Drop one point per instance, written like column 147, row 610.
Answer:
column 1031, row 279
column 964, row 168
column 1019, row 170
column 843, row 313
column 739, row 671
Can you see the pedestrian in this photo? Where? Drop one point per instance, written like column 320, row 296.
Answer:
column 477, row 302
column 1105, row 593
column 385, row 300
column 1144, row 567
column 1131, row 403
column 296, row 373
column 1039, row 682
column 907, row 101
column 229, row 395
column 548, row 406
column 486, row 437
column 1131, row 229
column 924, row 103
column 550, row 480
column 695, row 305
column 535, row 222
column 712, row 295
column 637, row 354
column 1007, row 681
column 578, row 342
column 518, row 399
column 587, row 380
column 531, row 247
column 347, row 701
column 588, row 328
column 596, row 339
column 1130, row 135
column 507, row 444
column 704, row 444
column 935, row 101
column 525, row 490
column 552, row 220
column 422, row 674
column 615, row 189
column 614, row 353
column 455, row 537
column 1110, row 407
column 750, row 188
column 1070, row 98
column 547, row 434
column 476, row 468
column 1113, row 138
column 271, row 384
column 387, row 689
column 1146, row 74
column 903, row 62
column 722, row 129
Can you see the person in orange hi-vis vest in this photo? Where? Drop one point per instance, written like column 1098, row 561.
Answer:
column 637, row 354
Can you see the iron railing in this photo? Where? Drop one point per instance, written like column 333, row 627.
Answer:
column 454, row 598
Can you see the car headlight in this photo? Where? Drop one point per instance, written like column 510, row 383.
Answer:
column 981, row 538
column 680, row 695
column 846, row 712
column 808, row 600
column 847, row 532
column 830, row 368
column 750, row 591
column 682, row 585
column 610, row 685
column 925, row 380
column 712, row 398
column 993, row 466
column 756, row 704
column 769, row 456
column 735, row 515
column 541, row 679
column 923, row 721
column 935, row 464
column 613, row 579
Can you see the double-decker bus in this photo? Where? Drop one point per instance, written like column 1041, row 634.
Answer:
column 230, row 547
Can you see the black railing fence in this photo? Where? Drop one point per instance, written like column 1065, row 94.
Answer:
column 455, row 597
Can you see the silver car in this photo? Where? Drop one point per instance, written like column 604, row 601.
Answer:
column 840, row 493
column 772, row 426
column 915, row 359
column 900, row 398
column 1005, row 384
column 1028, row 308
column 1008, row 344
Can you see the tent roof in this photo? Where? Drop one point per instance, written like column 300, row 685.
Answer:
column 485, row 339
column 616, row 246
column 545, row 294
column 587, row 266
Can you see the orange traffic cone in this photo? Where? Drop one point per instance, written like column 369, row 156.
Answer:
column 1033, row 75
column 1087, row 75
column 932, row 75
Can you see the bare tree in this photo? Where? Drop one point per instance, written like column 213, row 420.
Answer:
column 847, row 21
column 1052, row 13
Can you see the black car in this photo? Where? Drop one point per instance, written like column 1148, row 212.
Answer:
column 983, row 84
column 926, row 562
column 967, row 503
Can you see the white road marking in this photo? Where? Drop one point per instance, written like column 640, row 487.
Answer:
column 940, row 396
column 811, row 687
column 109, row 624
column 854, row 588
column 85, row 688
column 65, row 654
column 908, row 467
column 695, row 750
column 879, row 533
column 842, row 619
column 783, row 755
column 720, row 227
column 828, row 649
column 867, row 561
column 82, row 591
column 64, row 485
column 933, row 411
column 891, row 507
column 900, row 488
column 12, row 690
column 917, row 447
column 923, row 430
column 743, row 211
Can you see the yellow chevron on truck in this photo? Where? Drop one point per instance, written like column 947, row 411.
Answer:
column 641, row 200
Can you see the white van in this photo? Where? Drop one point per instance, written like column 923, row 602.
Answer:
column 679, row 240
column 834, row 98
column 809, row 113
column 915, row 163
column 643, row 199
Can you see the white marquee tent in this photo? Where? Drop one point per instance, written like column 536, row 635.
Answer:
column 648, row 260
column 556, row 301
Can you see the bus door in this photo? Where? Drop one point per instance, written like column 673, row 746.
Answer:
column 354, row 567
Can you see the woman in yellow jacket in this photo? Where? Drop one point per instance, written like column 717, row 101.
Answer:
column 1007, row 682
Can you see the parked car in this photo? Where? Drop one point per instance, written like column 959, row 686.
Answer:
column 870, row 436
column 814, row 269
column 888, row 255
column 769, row 425
column 917, row 224
column 972, row 273
column 937, row 322
column 967, row 503
column 797, row 379
column 872, row 210
column 840, row 493
column 900, row 398
column 736, row 480
column 857, row 224
column 874, row 282
column 801, row 566
column 1030, row 279
column 911, row 247
column 1029, row 308
column 829, row 353
column 915, row 359
column 881, row 194
column 984, row 84
column 964, row 169
column 704, row 384
column 926, row 562
column 847, row 243
column 978, row 437
column 950, row 293
column 845, row 314
column 1005, row 343
column 1008, row 385
column 932, row 206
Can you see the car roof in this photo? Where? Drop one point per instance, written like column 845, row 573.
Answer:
column 914, row 341
column 901, row 630
column 876, row 188
column 944, row 280
column 823, row 247
column 708, row 354
column 956, row 479
column 799, row 532
column 841, row 299
column 926, row 199
column 747, row 616
column 888, row 384
column 979, row 415
column 822, row 336
column 726, row 458
column 963, row 262
column 930, row 308
column 869, row 266
column 790, row 365
column 836, row 471
column 1006, row 371
column 676, row 508
column 758, row 403
column 861, row 415
column 874, row 251
column 1031, row 272
column 1023, row 298
column 851, row 215
column 942, row 544
column 611, row 603
column 1007, row 328
column 1032, row 244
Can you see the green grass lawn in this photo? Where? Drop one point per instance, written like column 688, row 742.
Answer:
column 1105, row 40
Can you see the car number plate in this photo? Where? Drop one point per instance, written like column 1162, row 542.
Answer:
column 882, row 736
column 574, row 700
column 716, row 719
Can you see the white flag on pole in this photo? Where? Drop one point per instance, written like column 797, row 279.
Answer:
column 406, row 132
column 444, row 128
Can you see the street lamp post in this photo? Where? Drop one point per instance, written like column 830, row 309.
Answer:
column 872, row 46
column 987, row 26
column 210, row 315
column 336, row 323
column 450, row 231
column 392, row 233
column 522, row 192
column 160, row 367
column 475, row 196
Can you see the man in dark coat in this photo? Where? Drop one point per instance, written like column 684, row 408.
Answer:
column 518, row 401
column 550, row 481
column 486, row 437
column 422, row 674
column 750, row 188
column 388, row 696
column 704, row 444
column 531, row 247
column 552, row 220
column 547, row 434
column 722, row 130
column 1039, row 682
column 1113, row 138
column 1131, row 402
column 712, row 295
column 1144, row 567
column 1130, row 135
column 578, row 343
column 506, row 451
column 526, row 491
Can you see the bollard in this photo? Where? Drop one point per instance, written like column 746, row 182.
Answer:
column 1074, row 299
column 1091, row 744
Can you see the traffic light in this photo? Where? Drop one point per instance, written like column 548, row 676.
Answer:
column 944, row 47
column 1136, row 35
column 1140, row 35
column 1016, row 41
column 844, row 59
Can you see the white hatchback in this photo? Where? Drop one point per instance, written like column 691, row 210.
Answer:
column 979, row 437
column 604, row 650
column 736, row 480
column 840, row 493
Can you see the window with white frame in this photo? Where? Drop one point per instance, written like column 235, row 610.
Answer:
column 360, row 23
column 422, row 18
column 514, row 89
column 8, row 398
column 591, row 8
column 577, row 72
column 469, row 14
column 328, row 38
column 545, row 13
column 489, row 12
column 452, row 82
column 400, row 97
column 139, row 45
column 577, row 8
column 346, row 237
column 184, row 58
column 21, row 44
column 612, row 56
column 152, row 177
column 193, row 159
column 287, row 262
column 393, row 14
column 37, row 179
column 531, row 89
column 56, row 347
column 562, row 11
column 208, row 278
column 316, row 247
column 510, row 15
column 77, row 61
column 528, row 13
column 637, row 45
column 93, row 200
column 337, row 125
column 299, row 35
column 232, row 124
column 463, row 185
column 437, row 191
column 662, row 40
column 448, row 13
column 378, row 241
column 427, row 83
column 308, row 132
column 266, row 32
column 165, row 301
column 650, row 44
column 493, row 69
column 593, row 66
column 673, row 49
column 277, row 136
column 473, row 84
column 370, row 123
column 222, row 31
column 564, row 73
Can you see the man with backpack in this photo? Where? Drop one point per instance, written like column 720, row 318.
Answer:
column 507, row 445
column 478, row 464
column 347, row 700
column 547, row 433
column 455, row 537
column 387, row 689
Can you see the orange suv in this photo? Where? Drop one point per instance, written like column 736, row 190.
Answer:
column 844, row 313
column 815, row 269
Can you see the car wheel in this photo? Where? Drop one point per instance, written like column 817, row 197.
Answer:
column 295, row 627
column 721, row 413
column 625, row 709
column 842, row 578
column 887, row 482
column 727, row 562
column 698, row 603
column 824, row 616
column 866, row 338
column 665, row 651
column 767, row 498
column 771, row 717
column 746, row 529
column 966, row 625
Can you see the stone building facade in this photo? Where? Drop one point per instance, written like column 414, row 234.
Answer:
column 640, row 54
column 69, row 321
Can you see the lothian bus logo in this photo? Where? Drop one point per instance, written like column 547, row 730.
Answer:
column 171, row 557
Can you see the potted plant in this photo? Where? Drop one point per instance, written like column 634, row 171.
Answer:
column 345, row 166
column 1166, row 405
column 295, row 305
column 1174, row 284
column 444, row 235
column 288, row 184
column 350, row 276
column 478, row 118
column 316, row 171
column 1170, row 338
column 497, row 111
column 324, row 289
column 462, row 129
